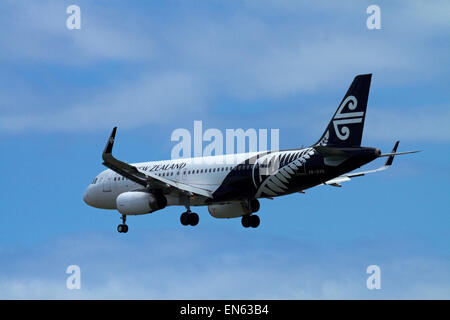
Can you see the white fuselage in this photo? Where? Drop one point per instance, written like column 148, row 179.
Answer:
column 206, row 173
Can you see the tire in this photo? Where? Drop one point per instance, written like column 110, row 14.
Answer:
column 254, row 221
column 245, row 221
column 193, row 219
column 120, row 228
column 184, row 219
column 125, row 228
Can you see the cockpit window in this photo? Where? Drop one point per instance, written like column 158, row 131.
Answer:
column 95, row 181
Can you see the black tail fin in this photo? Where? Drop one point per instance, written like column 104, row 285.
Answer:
column 346, row 127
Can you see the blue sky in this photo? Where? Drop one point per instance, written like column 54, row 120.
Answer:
column 151, row 68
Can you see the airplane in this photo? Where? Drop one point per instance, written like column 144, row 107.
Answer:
column 231, row 185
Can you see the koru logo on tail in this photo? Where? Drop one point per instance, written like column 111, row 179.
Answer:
column 343, row 117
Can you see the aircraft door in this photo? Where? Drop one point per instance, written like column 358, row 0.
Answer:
column 183, row 174
column 107, row 185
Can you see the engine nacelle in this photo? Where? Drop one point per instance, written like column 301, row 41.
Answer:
column 233, row 209
column 139, row 202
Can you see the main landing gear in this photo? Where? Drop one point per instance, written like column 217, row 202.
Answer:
column 123, row 228
column 189, row 218
column 250, row 220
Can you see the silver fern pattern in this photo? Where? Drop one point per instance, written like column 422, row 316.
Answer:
column 324, row 140
column 285, row 165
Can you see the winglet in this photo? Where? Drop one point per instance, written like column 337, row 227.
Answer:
column 110, row 143
column 390, row 159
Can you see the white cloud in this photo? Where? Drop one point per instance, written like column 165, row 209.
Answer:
column 410, row 124
column 267, row 51
column 36, row 32
column 153, row 100
column 184, row 265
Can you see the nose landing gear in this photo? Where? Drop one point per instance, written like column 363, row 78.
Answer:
column 123, row 228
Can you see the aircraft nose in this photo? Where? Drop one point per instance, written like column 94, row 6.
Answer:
column 86, row 196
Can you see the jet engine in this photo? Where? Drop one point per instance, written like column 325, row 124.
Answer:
column 233, row 209
column 139, row 202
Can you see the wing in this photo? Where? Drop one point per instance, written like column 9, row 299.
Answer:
column 146, row 179
column 336, row 182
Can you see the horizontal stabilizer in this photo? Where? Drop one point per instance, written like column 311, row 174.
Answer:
column 397, row 153
column 347, row 177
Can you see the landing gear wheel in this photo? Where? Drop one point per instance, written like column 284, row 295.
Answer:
column 254, row 221
column 123, row 228
column 189, row 218
column 245, row 221
column 250, row 221
column 184, row 218
column 193, row 219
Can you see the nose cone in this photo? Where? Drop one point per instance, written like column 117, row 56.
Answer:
column 86, row 197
